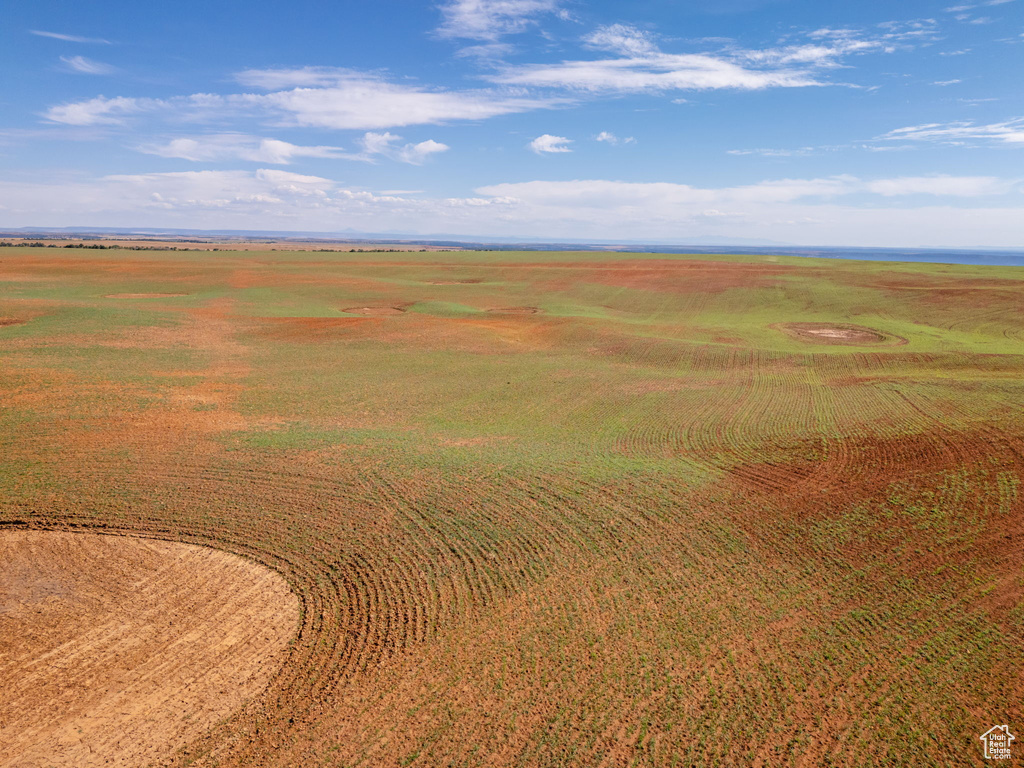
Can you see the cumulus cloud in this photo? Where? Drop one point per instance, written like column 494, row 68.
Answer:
column 69, row 38
column 547, row 144
column 385, row 144
column 342, row 99
column 491, row 19
column 87, row 66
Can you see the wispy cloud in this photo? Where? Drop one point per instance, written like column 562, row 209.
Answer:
column 622, row 39
column 610, row 138
column 548, row 144
column 491, row 19
column 236, row 146
column 769, row 152
column 319, row 97
column 115, row 111
column 222, row 147
column 641, row 65
column 963, row 132
column 653, row 73
column 87, row 66
column 69, row 38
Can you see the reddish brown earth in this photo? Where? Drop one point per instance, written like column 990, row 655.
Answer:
column 681, row 541
column 117, row 650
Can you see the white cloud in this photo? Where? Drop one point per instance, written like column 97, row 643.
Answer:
column 236, row 146
column 100, row 110
column 620, row 195
column 1007, row 132
column 621, row 39
column 549, row 144
column 953, row 186
column 769, row 152
column 295, row 77
column 343, row 100
column 368, row 103
column 490, row 19
column 660, row 72
column 642, row 66
column 414, row 154
column 87, row 66
column 947, row 82
column 611, row 138
column 795, row 210
column 69, row 38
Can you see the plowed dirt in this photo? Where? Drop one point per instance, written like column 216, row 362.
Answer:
column 118, row 650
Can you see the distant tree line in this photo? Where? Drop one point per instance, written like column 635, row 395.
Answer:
column 115, row 247
column 98, row 246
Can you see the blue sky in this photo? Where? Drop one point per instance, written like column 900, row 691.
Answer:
column 798, row 121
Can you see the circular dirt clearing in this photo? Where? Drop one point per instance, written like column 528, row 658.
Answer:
column 143, row 295
column 839, row 333
column 374, row 310
column 119, row 651
column 515, row 310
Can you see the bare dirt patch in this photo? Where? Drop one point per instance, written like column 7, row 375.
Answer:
column 839, row 333
column 143, row 295
column 375, row 311
column 5, row 321
column 516, row 310
column 119, row 651
column 471, row 281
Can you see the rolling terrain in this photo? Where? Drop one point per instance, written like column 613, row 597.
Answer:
column 554, row 509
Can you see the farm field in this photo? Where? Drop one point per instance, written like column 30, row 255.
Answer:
column 543, row 509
